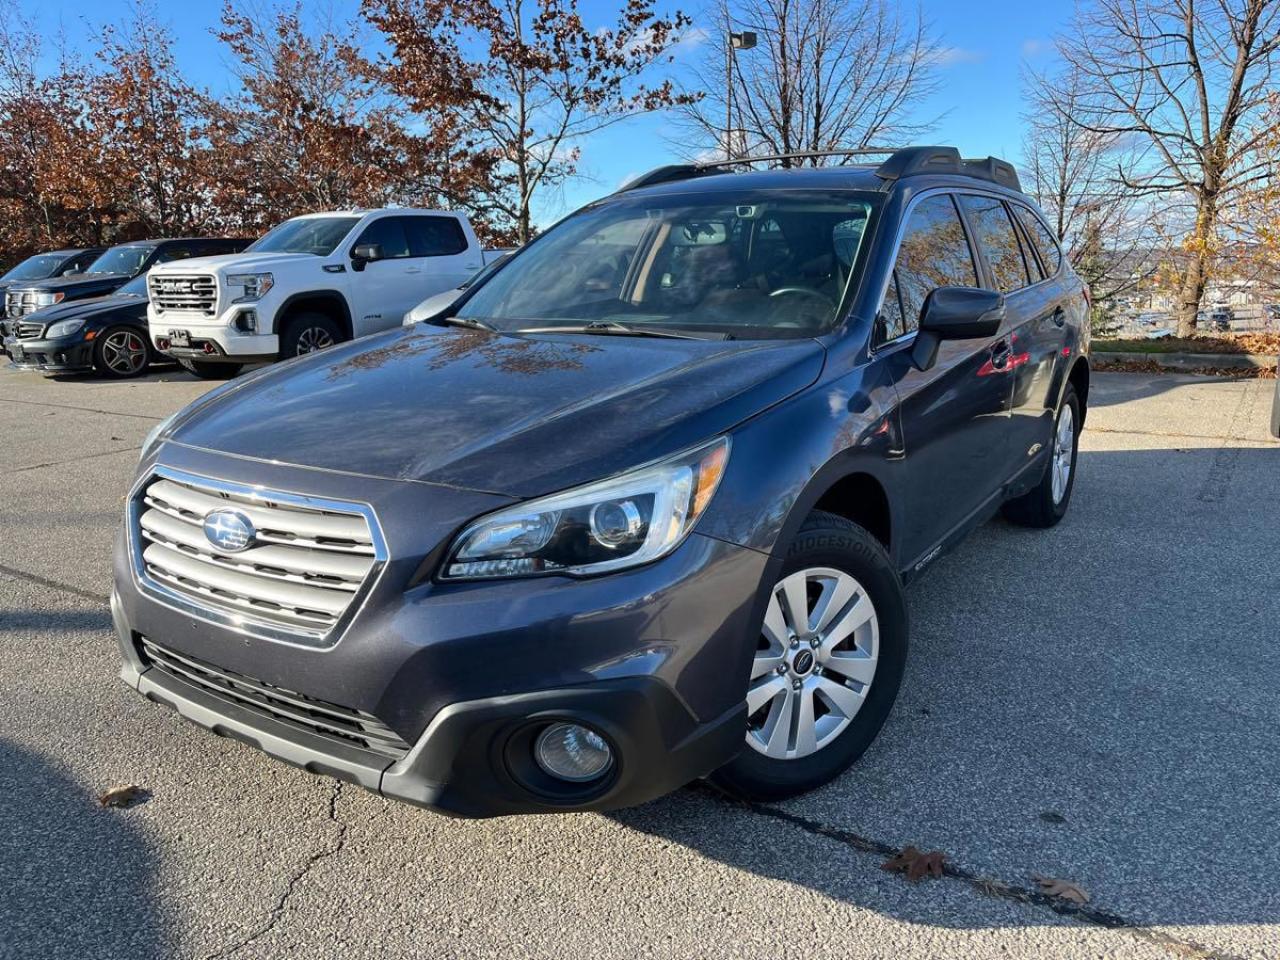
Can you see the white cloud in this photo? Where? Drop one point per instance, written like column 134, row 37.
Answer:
column 950, row 56
column 1036, row 47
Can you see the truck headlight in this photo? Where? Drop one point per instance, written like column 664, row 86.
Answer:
column 621, row 522
column 253, row 286
column 63, row 328
column 49, row 299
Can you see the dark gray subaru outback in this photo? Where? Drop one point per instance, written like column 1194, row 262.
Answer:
column 637, row 509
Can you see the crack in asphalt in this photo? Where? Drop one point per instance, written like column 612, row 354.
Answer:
column 294, row 880
column 60, row 463
column 990, row 886
column 69, row 406
column 40, row 581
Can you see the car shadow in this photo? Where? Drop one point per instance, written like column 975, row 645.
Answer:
column 1094, row 702
column 80, row 880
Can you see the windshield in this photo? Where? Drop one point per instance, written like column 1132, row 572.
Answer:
column 317, row 235
column 126, row 260
column 39, row 267
column 750, row 264
column 137, row 287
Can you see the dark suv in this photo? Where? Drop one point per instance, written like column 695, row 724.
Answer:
column 111, row 270
column 42, row 266
column 637, row 508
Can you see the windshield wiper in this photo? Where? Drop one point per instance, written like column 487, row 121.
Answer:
column 611, row 328
column 470, row 323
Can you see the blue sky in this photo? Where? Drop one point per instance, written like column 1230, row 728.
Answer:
column 979, row 98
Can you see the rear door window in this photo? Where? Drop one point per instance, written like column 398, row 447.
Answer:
column 999, row 243
column 1050, row 252
column 388, row 233
column 934, row 253
column 434, row 236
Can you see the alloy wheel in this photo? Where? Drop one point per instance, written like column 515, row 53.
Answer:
column 814, row 664
column 314, row 338
column 1064, row 442
column 124, row 352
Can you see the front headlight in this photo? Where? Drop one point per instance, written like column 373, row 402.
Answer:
column 253, row 286
column 49, row 299
column 153, row 435
column 609, row 525
column 64, row 328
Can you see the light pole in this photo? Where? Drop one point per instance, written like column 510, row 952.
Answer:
column 737, row 41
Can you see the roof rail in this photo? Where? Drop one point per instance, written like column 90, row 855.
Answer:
column 902, row 162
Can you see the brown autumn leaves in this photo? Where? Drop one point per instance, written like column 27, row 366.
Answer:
column 475, row 106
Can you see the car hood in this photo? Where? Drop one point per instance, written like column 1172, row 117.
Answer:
column 236, row 261
column 92, row 307
column 80, row 285
column 516, row 415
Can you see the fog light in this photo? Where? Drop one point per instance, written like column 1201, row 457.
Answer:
column 247, row 321
column 568, row 751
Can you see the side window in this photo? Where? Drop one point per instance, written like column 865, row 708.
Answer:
column 387, row 233
column 1029, row 253
column 995, row 235
column 1050, row 252
column 177, row 252
column 82, row 261
column 934, row 253
column 434, row 236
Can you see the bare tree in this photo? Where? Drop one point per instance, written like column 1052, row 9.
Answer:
column 1187, row 80
column 1111, row 234
column 826, row 75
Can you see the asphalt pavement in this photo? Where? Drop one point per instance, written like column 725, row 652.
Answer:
column 1096, row 703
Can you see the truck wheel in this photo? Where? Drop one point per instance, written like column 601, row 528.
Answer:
column 1046, row 503
column 211, row 371
column 827, row 665
column 307, row 333
column 121, row 352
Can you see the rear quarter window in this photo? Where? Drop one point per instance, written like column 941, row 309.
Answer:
column 1046, row 245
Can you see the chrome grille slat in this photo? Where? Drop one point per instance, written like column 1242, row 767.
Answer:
column 184, row 293
column 286, row 706
column 29, row 331
column 309, row 564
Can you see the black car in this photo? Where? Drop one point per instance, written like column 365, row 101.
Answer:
column 637, row 508
column 1220, row 318
column 110, row 271
column 42, row 266
column 107, row 334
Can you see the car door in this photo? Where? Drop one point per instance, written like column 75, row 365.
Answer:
column 1030, row 307
column 1056, row 306
column 447, row 259
column 954, row 415
column 387, row 288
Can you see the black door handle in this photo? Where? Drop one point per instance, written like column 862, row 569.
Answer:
column 1000, row 355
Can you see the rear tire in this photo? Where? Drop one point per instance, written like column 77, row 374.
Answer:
column 840, row 670
column 1046, row 503
column 307, row 333
column 121, row 352
column 210, row 371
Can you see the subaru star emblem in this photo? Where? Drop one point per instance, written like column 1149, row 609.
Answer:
column 229, row 530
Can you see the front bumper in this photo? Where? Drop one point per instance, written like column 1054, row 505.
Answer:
column 215, row 340
column 63, row 355
column 653, row 658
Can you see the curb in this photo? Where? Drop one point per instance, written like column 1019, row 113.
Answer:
column 1191, row 361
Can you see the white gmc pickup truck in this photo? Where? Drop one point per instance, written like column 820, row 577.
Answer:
column 309, row 283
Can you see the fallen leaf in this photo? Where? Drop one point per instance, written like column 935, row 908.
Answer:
column 1062, row 889
column 915, row 864
column 1052, row 816
column 126, row 796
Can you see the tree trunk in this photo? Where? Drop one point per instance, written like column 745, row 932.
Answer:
column 1197, row 274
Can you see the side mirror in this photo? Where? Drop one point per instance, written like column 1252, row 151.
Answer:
column 955, row 313
column 365, row 253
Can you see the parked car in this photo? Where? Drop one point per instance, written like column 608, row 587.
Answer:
column 311, row 282
column 638, row 509
column 42, row 266
column 443, row 301
column 105, row 334
column 1220, row 318
column 110, row 271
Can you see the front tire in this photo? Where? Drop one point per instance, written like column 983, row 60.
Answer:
column 120, row 353
column 210, row 371
column 1046, row 503
column 827, row 665
column 307, row 333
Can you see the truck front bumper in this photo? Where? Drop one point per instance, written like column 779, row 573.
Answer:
column 211, row 340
